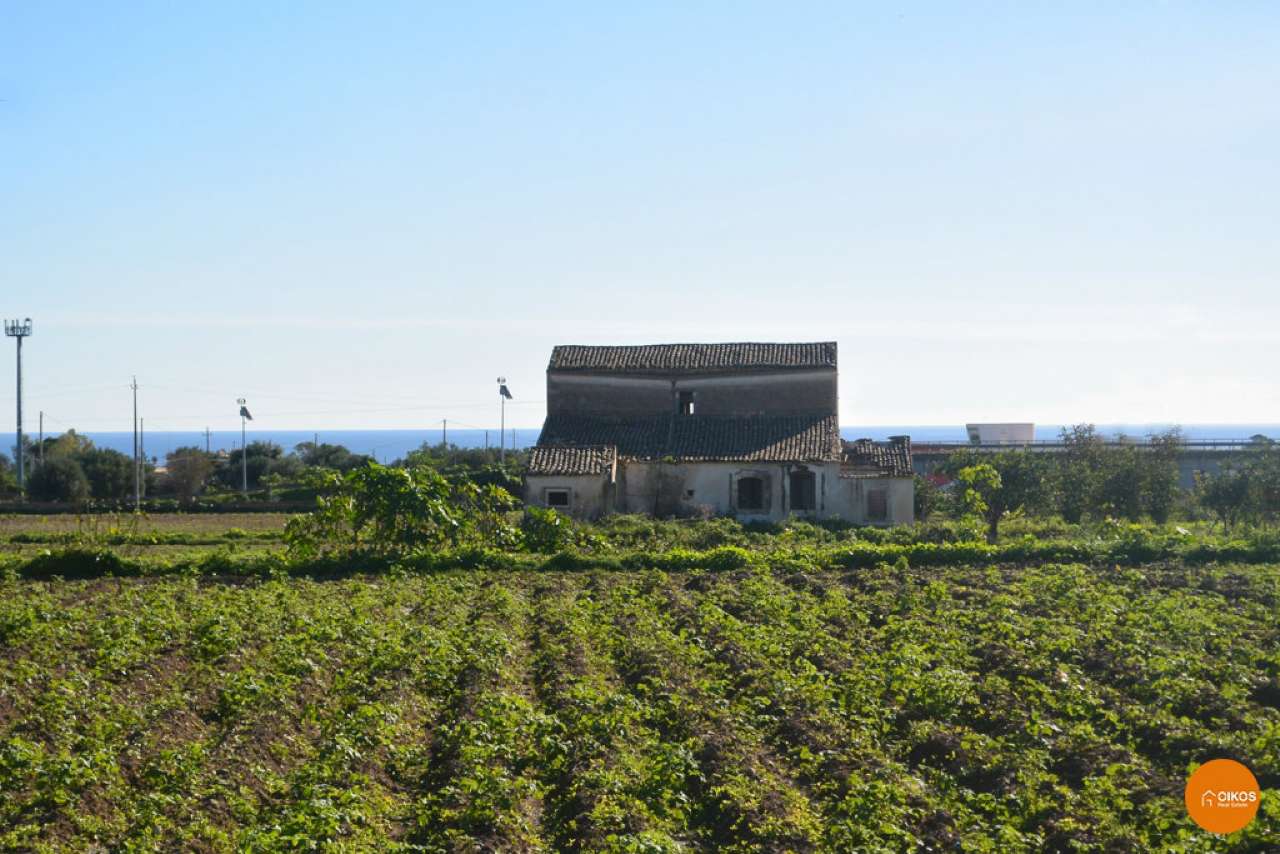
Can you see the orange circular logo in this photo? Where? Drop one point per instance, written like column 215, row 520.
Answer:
column 1222, row 796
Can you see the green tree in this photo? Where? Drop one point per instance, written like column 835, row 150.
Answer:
column 110, row 473
column 1229, row 494
column 389, row 511
column 1023, row 483
column 8, row 477
column 977, row 489
column 188, row 470
column 1120, row 483
column 1080, row 471
column 329, row 456
column 1027, row 482
column 264, row 458
column 59, row 478
column 483, row 466
column 68, row 444
column 1162, row 490
column 928, row 498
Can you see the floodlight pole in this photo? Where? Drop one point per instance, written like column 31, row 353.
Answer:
column 137, row 469
column 244, row 453
column 19, row 329
column 502, row 430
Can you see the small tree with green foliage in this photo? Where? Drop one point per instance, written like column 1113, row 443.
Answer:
column 188, row 470
column 1120, row 482
column 927, row 500
column 1080, row 471
column 59, row 478
column 264, row 458
column 110, row 473
column 328, row 456
column 1025, row 484
column 1228, row 495
column 978, row 487
column 1161, row 475
column 388, row 511
column 8, row 478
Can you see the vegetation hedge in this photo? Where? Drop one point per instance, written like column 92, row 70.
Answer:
column 74, row 561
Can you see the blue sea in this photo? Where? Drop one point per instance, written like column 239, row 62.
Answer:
column 389, row 445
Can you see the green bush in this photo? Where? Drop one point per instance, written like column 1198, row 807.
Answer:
column 59, row 479
column 384, row 511
column 545, row 530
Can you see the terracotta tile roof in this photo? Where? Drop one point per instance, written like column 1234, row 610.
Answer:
column 786, row 438
column 865, row 458
column 641, row 436
column 692, row 358
column 564, row 460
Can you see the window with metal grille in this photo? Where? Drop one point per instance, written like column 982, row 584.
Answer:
column 803, row 492
column 877, row 505
column 750, row 493
column 557, row 498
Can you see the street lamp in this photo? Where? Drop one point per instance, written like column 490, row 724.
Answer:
column 504, row 394
column 244, row 449
column 19, row 329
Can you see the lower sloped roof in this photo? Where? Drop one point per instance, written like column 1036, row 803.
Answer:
column 785, row 438
column 561, row 460
column 864, row 457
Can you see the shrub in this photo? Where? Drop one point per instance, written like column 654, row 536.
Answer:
column 384, row 511
column 545, row 530
column 59, row 479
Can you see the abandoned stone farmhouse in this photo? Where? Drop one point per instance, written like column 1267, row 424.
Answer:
column 748, row 430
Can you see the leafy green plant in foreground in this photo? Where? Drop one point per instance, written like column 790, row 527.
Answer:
column 386, row 511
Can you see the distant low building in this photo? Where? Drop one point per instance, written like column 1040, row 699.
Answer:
column 749, row 430
column 1016, row 433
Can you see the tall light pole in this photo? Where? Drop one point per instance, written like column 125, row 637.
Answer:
column 19, row 329
column 137, row 468
column 244, row 448
column 504, row 394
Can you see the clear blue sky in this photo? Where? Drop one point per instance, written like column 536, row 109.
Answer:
column 358, row 215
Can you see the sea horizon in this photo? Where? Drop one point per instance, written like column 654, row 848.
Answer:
column 390, row 444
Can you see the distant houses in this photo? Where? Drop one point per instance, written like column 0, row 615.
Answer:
column 747, row 429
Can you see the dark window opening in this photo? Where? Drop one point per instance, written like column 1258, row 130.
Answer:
column 557, row 498
column 803, row 491
column 877, row 505
column 688, row 493
column 686, row 403
column 750, row 493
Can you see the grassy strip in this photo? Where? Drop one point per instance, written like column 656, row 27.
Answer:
column 142, row 538
column 83, row 563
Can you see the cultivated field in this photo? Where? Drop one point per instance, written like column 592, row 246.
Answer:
column 998, row 708
column 161, row 536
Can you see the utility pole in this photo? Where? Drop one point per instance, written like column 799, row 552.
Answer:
column 444, row 433
column 486, row 440
column 206, row 440
column 137, row 474
column 40, row 447
column 19, row 329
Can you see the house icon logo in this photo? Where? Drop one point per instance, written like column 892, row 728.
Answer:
column 1222, row 796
